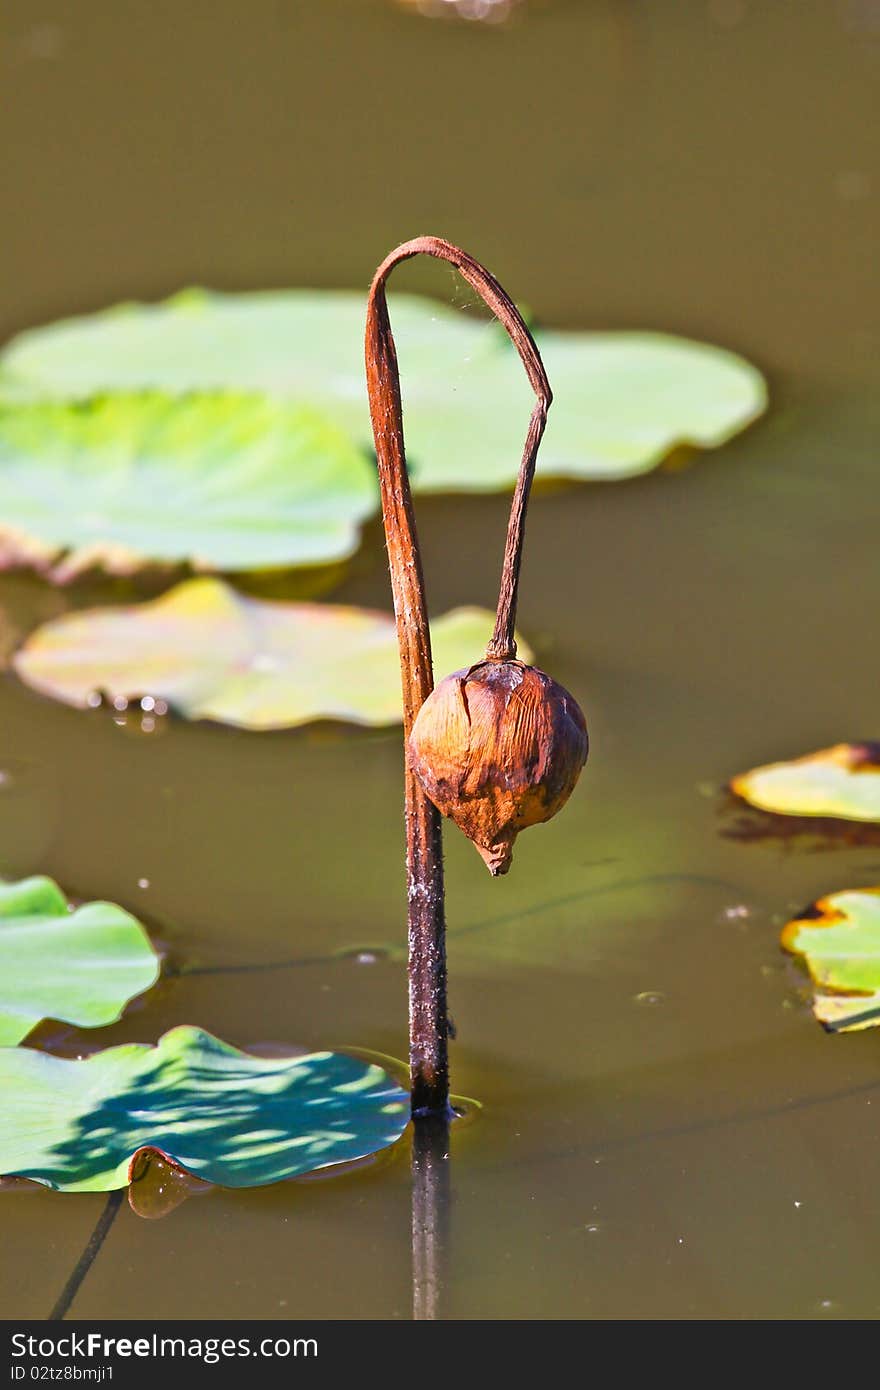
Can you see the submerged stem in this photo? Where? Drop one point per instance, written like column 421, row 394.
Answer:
column 429, row 1027
column 430, row 1216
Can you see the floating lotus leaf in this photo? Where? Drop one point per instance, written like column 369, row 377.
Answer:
column 222, row 481
column 82, row 967
column 212, row 653
column 842, row 782
column 622, row 400
column 839, row 938
column 221, row 1114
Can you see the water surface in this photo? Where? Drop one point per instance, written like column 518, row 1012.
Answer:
column 665, row 1130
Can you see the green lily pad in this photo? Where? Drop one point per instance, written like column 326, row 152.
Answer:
column 839, row 939
column 82, row 967
column 222, row 481
column 842, row 782
column 223, row 1115
column 623, row 401
column 212, row 653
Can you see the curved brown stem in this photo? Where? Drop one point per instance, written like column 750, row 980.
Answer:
column 427, row 951
column 492, row 293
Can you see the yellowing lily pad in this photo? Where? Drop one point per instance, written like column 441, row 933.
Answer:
column 212, row 653
column 82, row 967
column 839, row 939
column 222, row 1115
column 842, row 782
column 623, row 401
column 222, row 481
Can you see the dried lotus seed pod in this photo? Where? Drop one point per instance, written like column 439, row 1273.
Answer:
column 497, row 748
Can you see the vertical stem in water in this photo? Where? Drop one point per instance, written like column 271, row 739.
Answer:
column 430, row 1215
column 428, row 1025
column 429, row 1067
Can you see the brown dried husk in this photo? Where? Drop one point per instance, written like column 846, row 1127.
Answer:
column 497, row 748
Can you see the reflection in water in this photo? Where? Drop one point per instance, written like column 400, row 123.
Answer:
column 809, row 834
column 10, row 636
column 139, row 715
column 430, row 1215
column 87, row 1258
column 481, row 11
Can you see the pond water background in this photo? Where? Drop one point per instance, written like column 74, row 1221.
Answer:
column 665, row 1130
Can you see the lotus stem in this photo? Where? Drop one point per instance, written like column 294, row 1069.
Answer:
column 429, row 1026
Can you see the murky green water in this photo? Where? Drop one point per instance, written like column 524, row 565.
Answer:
column 666, row 1132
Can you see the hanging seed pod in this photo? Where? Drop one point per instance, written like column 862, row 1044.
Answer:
column 498, row 747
